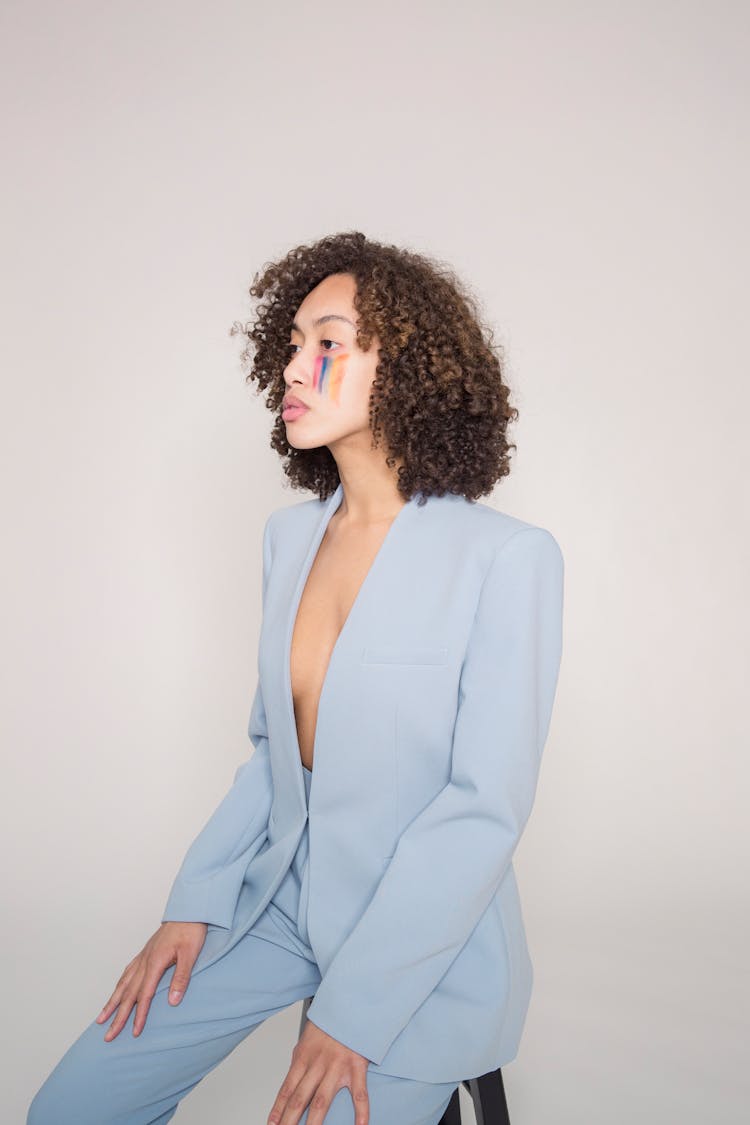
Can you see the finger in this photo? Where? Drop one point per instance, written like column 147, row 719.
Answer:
column 108, row 1008
column 154, row 972
column 120, row 1019
column 361, row 1099
column 155, row 969
column 143, row 1003
column 181, row 976
column 115, row 998
column 319, row 1101
column 288, row 1097
column 126, row 1004
column 326, row 1092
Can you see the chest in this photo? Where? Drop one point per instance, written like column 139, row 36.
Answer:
column 336, row 576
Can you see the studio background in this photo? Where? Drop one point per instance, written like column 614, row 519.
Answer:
column 584, row 167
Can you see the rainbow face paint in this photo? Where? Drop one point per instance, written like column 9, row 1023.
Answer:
column 328, row 374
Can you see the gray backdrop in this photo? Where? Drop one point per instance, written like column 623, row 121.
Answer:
column 584, row 167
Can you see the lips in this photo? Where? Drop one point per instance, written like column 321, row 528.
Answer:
column 293, row 409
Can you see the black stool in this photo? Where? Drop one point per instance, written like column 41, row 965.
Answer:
column 487, row 1093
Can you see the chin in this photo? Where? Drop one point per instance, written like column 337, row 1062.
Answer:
column 304, row 441
column 306, row 436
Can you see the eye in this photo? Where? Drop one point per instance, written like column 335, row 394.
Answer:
column 291, row 347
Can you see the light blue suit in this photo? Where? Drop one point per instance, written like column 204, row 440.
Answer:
column 431, row 724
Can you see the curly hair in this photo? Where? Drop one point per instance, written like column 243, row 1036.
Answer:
column 438, row 399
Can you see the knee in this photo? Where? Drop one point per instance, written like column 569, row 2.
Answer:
column 43, row 1110
column 61, row 1099
column 57, row 1104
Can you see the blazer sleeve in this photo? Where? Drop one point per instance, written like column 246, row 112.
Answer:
column 208, row 883
column 452, row 856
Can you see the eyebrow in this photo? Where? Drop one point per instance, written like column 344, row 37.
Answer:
column 321, row 320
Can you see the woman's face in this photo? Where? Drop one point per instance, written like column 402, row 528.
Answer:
column 326, row 371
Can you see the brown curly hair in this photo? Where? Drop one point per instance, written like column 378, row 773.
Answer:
column 438, row 398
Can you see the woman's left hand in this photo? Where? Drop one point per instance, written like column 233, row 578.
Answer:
column 321, row 1066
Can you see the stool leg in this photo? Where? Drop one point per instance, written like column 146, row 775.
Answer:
column 452, row 1115
column 488, row 1096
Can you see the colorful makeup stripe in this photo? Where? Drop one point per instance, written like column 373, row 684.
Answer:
column 328, row 375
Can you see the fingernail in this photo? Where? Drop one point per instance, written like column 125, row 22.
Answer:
column 174, row 996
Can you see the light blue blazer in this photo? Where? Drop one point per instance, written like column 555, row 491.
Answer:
column 431, row 724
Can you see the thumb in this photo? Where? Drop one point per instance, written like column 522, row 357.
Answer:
column 180, row 977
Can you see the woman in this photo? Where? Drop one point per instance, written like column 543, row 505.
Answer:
column 408, row 662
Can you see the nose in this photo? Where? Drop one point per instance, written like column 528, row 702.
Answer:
column 298, row 369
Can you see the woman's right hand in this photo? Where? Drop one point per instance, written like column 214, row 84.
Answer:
column 174, row 943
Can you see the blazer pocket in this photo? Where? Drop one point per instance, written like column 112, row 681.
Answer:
column 404, row 654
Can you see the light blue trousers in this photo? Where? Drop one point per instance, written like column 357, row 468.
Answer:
column 141, row 1080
